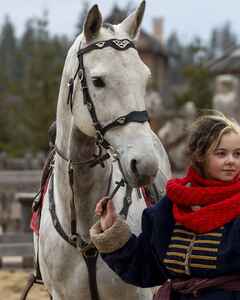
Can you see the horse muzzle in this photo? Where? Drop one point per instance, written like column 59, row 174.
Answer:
column 141, row 171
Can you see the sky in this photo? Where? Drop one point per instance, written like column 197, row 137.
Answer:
column 189, row 18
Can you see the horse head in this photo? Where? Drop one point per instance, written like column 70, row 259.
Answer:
column 104, row 66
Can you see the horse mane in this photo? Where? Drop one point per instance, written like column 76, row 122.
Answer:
column 109, row 27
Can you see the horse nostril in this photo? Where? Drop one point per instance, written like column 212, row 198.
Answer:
column 134, row 166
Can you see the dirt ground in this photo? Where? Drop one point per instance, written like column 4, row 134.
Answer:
column 12, row 284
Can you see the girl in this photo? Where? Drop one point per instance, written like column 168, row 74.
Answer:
column 190, row 240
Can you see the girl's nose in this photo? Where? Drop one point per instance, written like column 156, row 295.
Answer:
column 230, row 159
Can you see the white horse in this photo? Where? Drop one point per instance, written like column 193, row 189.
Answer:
column 104, row 71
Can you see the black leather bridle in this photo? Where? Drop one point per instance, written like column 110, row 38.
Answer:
column 87, row 249
column 134, row 116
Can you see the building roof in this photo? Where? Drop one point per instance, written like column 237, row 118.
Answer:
column 229, row 63
column 147, row 42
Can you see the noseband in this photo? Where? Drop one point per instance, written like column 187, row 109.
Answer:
column 134, row 116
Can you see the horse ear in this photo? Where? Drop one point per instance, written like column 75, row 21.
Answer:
column 92, row 23
column 132, row 23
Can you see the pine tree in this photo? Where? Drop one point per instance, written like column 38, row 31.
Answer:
column 9, row 77
column 43, row 58
column 39, row 95
column 8, row 52
column 228, row 38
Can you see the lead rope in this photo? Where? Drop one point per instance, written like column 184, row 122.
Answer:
column 120, row 183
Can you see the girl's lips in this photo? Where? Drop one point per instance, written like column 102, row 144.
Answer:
column 229, row 172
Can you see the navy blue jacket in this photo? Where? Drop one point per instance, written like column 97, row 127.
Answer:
column 148, row 260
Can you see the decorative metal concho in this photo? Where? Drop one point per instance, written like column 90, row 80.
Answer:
column 121, row 43
column 100, row 44
column 121, row 120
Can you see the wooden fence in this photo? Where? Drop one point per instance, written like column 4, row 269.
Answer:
column 16, row 248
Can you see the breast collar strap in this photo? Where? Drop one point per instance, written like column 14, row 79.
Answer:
column 75, row 241
column 134, row 116
column 98, row 158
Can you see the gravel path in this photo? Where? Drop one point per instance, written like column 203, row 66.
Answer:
column 12, row 284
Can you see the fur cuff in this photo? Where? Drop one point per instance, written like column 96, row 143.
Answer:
column 111, row 239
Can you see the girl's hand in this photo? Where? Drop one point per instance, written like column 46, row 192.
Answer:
column 106, row 211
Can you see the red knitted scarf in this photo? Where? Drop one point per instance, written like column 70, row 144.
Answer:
column 219, row 201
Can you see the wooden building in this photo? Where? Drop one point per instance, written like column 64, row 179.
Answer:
column 229, row 63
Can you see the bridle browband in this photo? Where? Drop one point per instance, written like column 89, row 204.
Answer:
column 134, row 116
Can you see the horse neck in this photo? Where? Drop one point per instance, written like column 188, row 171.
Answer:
column 90, row 184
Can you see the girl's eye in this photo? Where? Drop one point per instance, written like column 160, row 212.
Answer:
column 219, row 154
column 98, row 82
column 237, row 154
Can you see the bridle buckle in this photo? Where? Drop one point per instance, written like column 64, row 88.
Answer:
column 100, row 137
column 80, row 74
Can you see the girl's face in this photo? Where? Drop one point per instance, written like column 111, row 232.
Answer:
column 223, row 162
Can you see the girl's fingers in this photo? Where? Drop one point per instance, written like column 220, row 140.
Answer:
column 106, row 211
column 110, row 206
column 101, row 206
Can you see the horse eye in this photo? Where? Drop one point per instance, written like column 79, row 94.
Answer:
column 98, row 82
